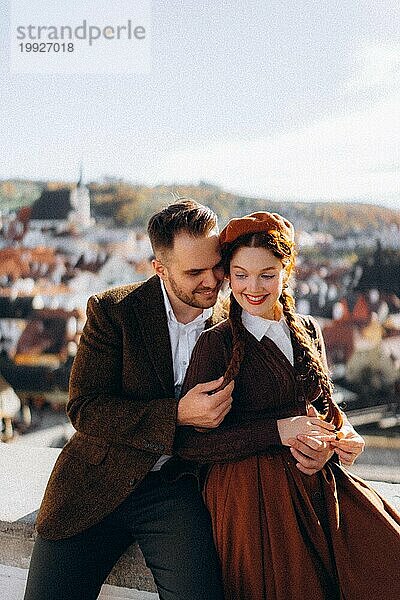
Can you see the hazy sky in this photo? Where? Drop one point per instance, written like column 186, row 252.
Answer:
column 286, row 99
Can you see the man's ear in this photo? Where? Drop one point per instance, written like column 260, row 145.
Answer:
column 159, row 269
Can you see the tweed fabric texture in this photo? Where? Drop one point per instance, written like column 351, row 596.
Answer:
column 122, row 405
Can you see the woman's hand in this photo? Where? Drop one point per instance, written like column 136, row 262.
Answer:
column 349, row 447
column 305, row 425
column 309, row 439
column 311, row 453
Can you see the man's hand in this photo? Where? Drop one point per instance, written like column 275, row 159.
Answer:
column 201, row 409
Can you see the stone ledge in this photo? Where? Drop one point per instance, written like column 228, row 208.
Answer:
column 24, row 472
column 13, row 579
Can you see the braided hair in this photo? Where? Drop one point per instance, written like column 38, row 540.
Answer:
column 284, row 249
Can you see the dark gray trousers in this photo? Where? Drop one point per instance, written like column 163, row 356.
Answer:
column 172, row 527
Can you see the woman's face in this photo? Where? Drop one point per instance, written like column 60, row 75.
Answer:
column 256, row 278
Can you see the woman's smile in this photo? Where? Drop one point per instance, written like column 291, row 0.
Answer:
column 255, row 300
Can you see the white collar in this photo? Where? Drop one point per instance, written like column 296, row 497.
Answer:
column 206, row 314
column 258, row 326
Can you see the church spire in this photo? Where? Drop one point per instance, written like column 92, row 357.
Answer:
column 80, row 201
column 80, row 180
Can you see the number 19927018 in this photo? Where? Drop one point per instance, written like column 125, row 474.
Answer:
column 46, row 47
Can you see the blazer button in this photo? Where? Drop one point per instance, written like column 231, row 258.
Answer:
column 132, row 482
column 300, row 399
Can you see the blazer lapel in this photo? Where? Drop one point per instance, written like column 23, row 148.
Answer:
column 152, row 318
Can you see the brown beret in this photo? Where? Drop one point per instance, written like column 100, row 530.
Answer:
column 258, row 221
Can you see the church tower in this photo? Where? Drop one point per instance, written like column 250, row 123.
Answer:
column 80, row 202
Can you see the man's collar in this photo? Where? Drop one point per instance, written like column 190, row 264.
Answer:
column 206, row 314
column 258, row 326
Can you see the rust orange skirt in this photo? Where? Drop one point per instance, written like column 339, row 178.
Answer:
column 283, row 535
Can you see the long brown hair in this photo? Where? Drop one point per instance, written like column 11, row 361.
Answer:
column 284, row 249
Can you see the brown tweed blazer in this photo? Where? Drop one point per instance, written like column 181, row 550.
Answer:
column 122, row 405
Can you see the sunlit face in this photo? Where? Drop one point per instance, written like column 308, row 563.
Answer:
column 192, row 270
column 256, row 278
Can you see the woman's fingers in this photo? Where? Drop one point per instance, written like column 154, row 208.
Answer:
column 322, row 424
column 305, row 470
column 349, row 445
column 311, row 462
column 307, row 448
column 291, row 427
column 346, row 458
column 348, row 449
column 317, row 441
column 311, row 459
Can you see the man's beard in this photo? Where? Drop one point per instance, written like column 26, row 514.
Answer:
column 194, row 298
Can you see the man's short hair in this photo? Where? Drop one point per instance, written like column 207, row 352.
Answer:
column 184, row 216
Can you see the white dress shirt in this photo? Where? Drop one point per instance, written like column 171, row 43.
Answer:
column 277, row 331
column 183, row 337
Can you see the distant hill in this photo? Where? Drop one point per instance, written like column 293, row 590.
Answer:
column 16, row 193
column 132, row 204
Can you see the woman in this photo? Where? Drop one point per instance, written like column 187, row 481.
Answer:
column 280, row 533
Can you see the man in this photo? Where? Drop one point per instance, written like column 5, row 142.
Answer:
column 114, row 482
